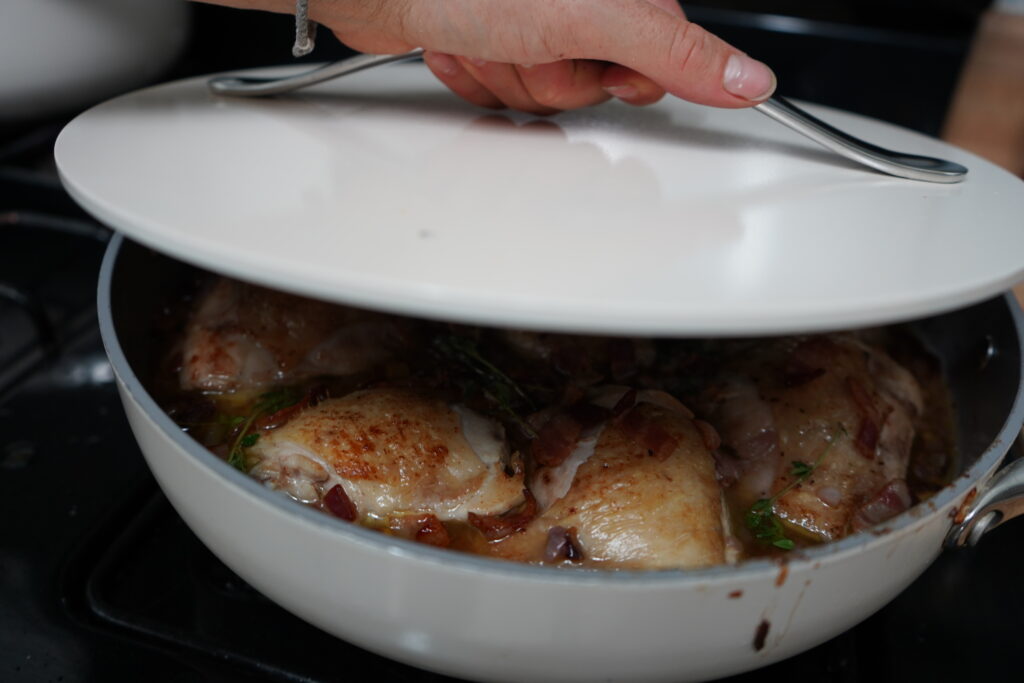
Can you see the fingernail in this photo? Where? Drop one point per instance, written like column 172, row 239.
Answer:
column 526, row 66
column 748, row 78
column 623, row 92
column 446, row 64
column 477, row 62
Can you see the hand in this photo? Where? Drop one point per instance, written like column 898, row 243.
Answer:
column 543, row 56
column 549, row 87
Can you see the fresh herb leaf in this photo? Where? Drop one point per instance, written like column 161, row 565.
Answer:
column 236, row 458
column 761, row 519
column 497, row 387
column 801, row 469
column 763, row 523
column 273, row 401
column 266, row 404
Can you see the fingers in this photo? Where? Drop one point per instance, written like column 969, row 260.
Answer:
column 539, row 89
column 565, row 84
column 630, row 87
column 503, row 80
column 449, row 71
column 680, row 56
column 651, row 37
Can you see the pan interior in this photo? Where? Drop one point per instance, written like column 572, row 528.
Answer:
column 978, row 348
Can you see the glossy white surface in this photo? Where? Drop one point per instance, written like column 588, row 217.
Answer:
column 383, row 190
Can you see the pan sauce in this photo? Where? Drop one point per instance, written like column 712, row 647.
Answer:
column 560, row 449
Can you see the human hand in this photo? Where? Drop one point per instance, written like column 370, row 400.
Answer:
column 543, row 56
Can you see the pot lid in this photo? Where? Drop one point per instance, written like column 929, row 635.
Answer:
column 384, row 190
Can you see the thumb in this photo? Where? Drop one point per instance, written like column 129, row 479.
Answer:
column 678, row 55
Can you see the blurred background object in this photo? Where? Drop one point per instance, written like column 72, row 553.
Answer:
column 987, row 113
column 57, row 56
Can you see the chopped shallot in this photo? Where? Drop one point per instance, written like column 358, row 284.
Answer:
column 562, row 544
column 339, row 504
column 496, row 527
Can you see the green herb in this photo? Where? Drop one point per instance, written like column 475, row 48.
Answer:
column 279, row 399
column 267, row 404
column 236, row 458
column 801, row 469
column 497, row 387
column 761, row 519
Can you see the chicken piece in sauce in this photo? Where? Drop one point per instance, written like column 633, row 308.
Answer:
column 394, row 452
column 818, row 428
column 245, row 337
column 827, row 420
column 637, row 491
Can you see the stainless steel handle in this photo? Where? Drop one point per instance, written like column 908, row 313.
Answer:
column 240, row 86
column 899, row 164
column 1000, row 501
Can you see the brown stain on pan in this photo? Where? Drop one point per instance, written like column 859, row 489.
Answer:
column 783, row 574
column 761, row 635
column 965, row 507
column 738, row 593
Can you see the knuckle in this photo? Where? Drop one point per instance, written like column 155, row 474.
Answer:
column 548, row 97
column 688, row 41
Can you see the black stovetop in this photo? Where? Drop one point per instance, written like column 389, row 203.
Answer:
column 100, row 580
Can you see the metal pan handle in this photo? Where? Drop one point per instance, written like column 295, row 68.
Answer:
column 243, row 86
column 1001, row 501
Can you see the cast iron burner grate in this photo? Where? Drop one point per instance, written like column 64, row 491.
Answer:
column 153, row 580
column 48, row 252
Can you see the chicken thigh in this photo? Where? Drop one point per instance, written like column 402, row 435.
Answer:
column 637, row 491
column 393, row 452
column 245, row 337
column 822, row 427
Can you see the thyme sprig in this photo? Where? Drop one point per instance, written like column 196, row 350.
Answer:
column 498, row 388
column 266, row 404
column 761, row 519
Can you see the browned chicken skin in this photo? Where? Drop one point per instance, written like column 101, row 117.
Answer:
column 245, row 337
column 394, row 452
column 832, row 403
column 629, row 506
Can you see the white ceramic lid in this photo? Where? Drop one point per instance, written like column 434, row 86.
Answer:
column 383, row 190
